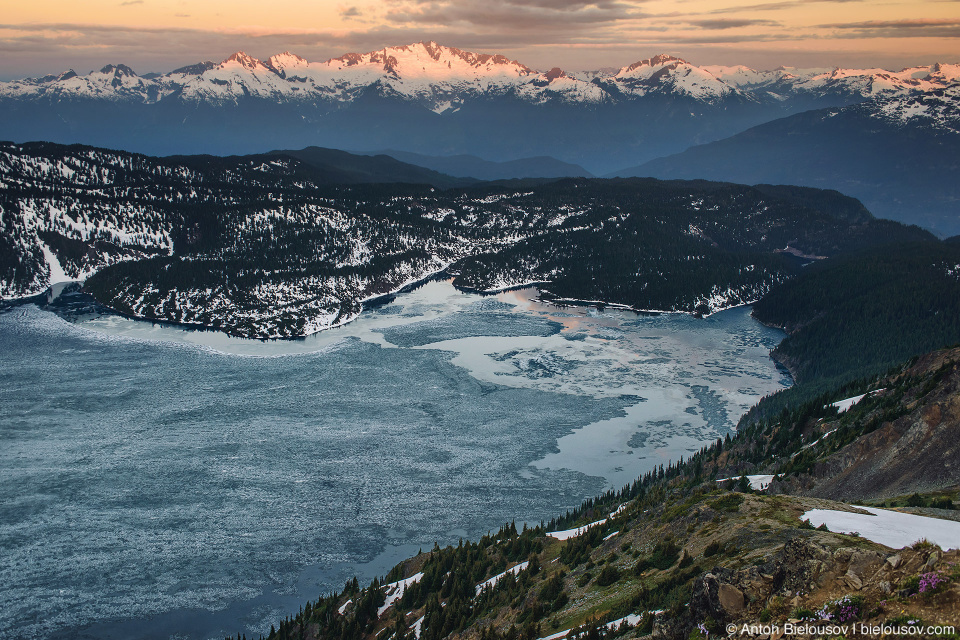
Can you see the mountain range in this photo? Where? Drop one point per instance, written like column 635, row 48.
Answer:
column 431, row 99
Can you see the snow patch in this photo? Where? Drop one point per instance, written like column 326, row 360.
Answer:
column 889, row 528
column 846, row 403
column 417, row 627
column 492, row 582
column 757, row 482
column 573, row 533
column 631, row 620
column 57, row 274
column 394, row 591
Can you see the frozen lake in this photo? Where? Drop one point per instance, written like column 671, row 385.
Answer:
column 213, row 484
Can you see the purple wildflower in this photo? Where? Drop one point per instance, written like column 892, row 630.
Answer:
column 930, row 582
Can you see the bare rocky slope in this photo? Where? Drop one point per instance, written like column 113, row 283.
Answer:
column 917, row 452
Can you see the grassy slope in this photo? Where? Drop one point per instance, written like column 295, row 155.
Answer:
column 679, row 542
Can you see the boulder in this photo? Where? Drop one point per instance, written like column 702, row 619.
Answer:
column 731, row 599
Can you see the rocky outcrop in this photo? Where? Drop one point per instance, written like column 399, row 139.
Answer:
column 805, row 575
column 916, row 452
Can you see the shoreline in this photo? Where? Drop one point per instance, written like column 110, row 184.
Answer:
column 380, row 299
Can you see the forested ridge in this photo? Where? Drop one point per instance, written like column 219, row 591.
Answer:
column 858, row 314
column 264, row 246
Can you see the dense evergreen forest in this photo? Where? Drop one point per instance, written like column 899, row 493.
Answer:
column 264, row 246
column 856, row 315
column 649, row 244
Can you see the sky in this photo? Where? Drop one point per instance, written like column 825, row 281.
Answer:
column 50, row 36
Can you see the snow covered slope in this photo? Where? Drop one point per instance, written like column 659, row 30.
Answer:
column 937, row 110
column 669, row 75
column 50, row 237
column 866, row 83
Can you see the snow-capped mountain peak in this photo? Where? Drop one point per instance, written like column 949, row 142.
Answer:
column 743, row 77
column 245, row 61
column 282, row 62
column 429, row 59
column 942, row 72
column 555, row 73
column 654, row 63
column 117, row 70
column 66, row 75
column 443, row 78
column 669, row 74
column 193, row 69
column 239, row 76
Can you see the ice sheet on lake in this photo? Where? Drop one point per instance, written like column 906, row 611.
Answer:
column 193, row 469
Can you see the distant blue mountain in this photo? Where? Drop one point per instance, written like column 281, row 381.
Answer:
column 467, row 166
column 899, row 156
